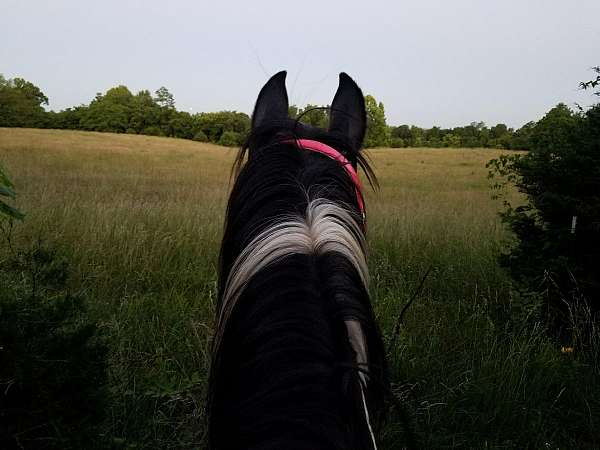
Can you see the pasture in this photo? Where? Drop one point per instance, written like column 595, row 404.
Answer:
column 139, row 219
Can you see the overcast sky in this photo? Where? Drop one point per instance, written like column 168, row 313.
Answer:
column 431, row 62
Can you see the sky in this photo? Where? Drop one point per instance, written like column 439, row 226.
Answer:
column 431, row 62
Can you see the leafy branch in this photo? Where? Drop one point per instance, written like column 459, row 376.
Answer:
column 7, row 190
column 592, row 84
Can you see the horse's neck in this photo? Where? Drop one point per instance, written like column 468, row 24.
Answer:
column 281, row 377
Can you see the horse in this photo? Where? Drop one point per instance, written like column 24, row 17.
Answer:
column 297, row 360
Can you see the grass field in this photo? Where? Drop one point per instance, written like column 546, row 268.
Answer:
column 140, row 220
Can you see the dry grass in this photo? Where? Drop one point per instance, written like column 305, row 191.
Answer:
column 133, row 202
column 140, row 218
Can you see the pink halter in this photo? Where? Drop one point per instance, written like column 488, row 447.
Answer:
column 330, row 152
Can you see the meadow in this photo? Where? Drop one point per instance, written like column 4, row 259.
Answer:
column 140, row 218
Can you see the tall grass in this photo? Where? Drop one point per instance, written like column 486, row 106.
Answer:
column 140, row 218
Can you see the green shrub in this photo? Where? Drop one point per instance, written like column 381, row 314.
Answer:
column 230, row 139
column 52, row 358
column 558, row 228
column 6, row 191
column 396, row 142
column 153, row 130
column 201, row 136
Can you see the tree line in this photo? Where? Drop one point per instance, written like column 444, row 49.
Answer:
column 118, row 110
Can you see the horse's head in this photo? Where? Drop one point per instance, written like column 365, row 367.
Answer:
column 298, row 360
column 347, row 119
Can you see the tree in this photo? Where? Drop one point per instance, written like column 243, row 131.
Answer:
column 433, row 137
column 451, row 140
column 164, row 98
column 145, row 112
column 500, row 136
column 110, row 112
column 313, row 115
column 200, row 136
column 21, row 103
column 402, row 132
column 119, row 95
column 522, row 137
column 68, row 119
column 557, row 229
column 181, row 125
column 417, row 136
column 378, row 133
column 230, row 139
column 470, row 135
column 396, row 142
column 214, row 124
column 293, row 111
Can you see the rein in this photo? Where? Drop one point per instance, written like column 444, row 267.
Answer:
column 332, row 153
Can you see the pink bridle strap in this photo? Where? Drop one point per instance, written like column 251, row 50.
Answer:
column 330, row 152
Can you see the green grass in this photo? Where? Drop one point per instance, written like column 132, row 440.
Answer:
column 140, row 219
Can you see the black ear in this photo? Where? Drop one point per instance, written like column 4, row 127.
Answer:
column 272, row 102
column 348, row 116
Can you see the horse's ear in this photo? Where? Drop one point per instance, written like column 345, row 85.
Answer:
column 272, row 102
column 348, row 116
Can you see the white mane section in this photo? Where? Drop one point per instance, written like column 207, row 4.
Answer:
column 327, row 227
